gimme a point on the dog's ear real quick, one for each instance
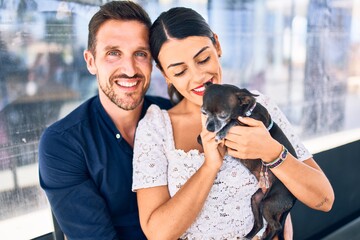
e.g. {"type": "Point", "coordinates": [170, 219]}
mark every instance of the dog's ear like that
{"type": "Point", "coordinates": [244, 90]}
{"type": "Point", "coordinates": [246, 100]}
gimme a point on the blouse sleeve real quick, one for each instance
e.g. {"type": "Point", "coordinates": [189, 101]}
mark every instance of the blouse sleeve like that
{"type": "Point", "coordinates": [279, 117]}
{"type": "Point", "coordinates": [149, 161]}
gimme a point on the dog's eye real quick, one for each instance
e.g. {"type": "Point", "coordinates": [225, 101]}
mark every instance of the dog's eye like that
{"type": "Point", "coordinates": [203, 111]}
{"type": "Point", "coordinates": [223, 115]}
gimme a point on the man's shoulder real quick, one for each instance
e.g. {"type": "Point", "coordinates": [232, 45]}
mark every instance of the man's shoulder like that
{"type": "Point", "coordinates": [162, 102]}
{"type": "Point", "coordinates": [79, 114]}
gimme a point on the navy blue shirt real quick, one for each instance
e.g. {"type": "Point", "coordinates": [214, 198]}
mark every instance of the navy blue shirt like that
{"type": "Point", "coordinates": [85, 168]}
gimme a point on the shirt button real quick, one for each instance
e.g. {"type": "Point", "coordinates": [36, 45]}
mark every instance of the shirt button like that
{"type": "Point", "coordinates": [118, 136]}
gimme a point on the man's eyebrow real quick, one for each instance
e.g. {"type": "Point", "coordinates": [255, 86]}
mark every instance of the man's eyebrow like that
{"type": "Point", "coordinates": [144, 48]}
{"type": "Point", "coordinates": [107, 48]}
{"type": "Point", "coordinates": [115, 47]}
{"type": "Point", "coordinates": [197, 54]}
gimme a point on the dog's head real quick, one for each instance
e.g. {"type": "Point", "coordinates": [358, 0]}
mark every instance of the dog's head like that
{"type": "Point", "coordinates": [223, 103]}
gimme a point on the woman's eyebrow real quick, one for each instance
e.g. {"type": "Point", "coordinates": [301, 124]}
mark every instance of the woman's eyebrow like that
{"type": "Point", "coordinates": [197, 54]}
{"type": "Point", "coordinates": [201, 50]}
{"type": "Point", "coordinates": [175, 64]}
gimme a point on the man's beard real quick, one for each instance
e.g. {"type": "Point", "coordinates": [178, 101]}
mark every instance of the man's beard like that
{"type": "Point", "coordinates": [127, 102]}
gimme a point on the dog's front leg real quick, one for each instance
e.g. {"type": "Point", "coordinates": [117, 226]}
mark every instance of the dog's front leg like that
{"type": "Point", "coordinates": [222, 133]}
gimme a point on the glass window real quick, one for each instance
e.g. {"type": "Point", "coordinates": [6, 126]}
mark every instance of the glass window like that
{"type": "Point", "coordinates": [305, 55]}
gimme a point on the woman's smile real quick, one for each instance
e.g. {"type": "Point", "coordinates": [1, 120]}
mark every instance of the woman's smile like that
{"type": "Point", "coordinates": [200, 89]}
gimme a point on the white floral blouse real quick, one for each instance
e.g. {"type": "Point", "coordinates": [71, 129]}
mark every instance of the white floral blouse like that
{"type": "Point", "coordinates": [227, 212]}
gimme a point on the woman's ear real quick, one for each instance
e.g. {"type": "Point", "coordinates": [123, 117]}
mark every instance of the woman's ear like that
{"type": "Point", "coordinates": [90, 62]}
{"type": "Point", "coordinates": [217, 45]}
{"type": "Point", "coordinates": [168, 82]}
{"type": "Point", "coordinates": [164, 75]}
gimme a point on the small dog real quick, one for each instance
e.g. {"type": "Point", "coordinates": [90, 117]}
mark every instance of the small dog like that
{"type": "Point", "coordinates": [223, 104]}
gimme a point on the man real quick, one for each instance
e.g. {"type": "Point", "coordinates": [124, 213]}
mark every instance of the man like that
{"type": "Point", "coordinates": [85, 159]}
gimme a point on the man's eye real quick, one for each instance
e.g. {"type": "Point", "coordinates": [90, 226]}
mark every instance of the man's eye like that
{"type": "Point", "coordinates": [113, 53]}
{"type": "Point", "coordinates": [141, 54]}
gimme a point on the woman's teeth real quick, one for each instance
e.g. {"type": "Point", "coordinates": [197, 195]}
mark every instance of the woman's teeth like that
{"type": "Point", "coordinates": [200, 89]}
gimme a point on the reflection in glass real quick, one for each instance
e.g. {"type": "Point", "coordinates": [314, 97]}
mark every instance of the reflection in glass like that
{"type": "Point", "coordinates": [303, 54]}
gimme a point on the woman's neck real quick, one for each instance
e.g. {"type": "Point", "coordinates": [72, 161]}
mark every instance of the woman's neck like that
{"type": "Point", "coordinates": [186, 123]}
{"type": "Point", "coordinates": [185, 107]}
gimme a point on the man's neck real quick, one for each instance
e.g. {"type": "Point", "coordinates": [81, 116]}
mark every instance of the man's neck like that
{"type": "Point", "coordinates": [125, 120]}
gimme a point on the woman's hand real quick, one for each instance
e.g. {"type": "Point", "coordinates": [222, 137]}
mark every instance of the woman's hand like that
{"type": "Point", "coordinates": [304, 179]}
{"type": "Point", "coordinates": [252, 141]}
{"type": "Point", "coordinates": [214, 150]}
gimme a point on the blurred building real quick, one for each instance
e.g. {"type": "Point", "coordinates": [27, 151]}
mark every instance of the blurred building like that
{"type": "Point", "coordinates": [305, 55]}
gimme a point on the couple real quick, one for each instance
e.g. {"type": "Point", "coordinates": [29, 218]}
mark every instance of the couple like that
{"type": "Point", "coordinates": [183, 190]}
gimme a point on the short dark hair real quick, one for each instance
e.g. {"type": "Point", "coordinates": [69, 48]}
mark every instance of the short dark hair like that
{"type": "Point", "coordinates": [179, 23]}
{"type": "Point", "coordinates": [115, 10]}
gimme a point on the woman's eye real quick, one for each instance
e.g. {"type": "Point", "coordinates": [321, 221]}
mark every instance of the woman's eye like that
{"type": "Point", "coordinates": [205, 60]}
{"type": "Point", "coordinates": [180, 73]}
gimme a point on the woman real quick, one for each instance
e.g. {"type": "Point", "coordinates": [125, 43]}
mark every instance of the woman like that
{"type": "Point", "coordinates": [191, 192]}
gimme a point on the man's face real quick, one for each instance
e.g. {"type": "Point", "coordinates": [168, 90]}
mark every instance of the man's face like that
{"type": "Point", "coordinates": [122, 63]}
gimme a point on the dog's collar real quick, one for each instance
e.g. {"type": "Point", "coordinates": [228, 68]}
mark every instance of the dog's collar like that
{"type": "Point", "coordinates": [249, 112]}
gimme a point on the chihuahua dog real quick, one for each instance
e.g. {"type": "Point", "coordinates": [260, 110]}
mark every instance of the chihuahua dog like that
{"type": "Point", "coordinates": [223, 104]}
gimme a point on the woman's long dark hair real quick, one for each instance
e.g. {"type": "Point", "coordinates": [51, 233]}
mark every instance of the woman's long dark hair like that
{"type": "Point", "coordinates": [179, 23]}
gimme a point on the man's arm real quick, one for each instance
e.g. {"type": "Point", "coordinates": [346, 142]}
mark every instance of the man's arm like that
{"type": "Point", "coordinates": [75, 201]}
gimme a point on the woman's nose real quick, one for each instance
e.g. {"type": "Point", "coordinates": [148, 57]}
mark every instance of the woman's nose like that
{"type": "Point", "coordinates": [198, 75]}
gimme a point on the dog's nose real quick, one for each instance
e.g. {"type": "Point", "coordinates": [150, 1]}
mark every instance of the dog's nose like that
{"type": "Point", "coordinates": [210, 127]}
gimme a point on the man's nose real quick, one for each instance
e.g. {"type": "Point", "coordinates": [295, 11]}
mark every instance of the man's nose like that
{"type": "Point", "coordinates": [128, 66]}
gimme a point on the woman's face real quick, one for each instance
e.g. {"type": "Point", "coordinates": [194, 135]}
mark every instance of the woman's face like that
{"type": "Point", "coordinates": [189, 63]}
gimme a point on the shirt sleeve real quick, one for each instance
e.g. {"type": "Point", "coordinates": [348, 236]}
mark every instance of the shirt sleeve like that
{"type": "Point", "coordinates": [150, 162]}
{"type": "Point", "coordinates": [279, 117]}
{"type": "Point", "coordinates": [75, 201]}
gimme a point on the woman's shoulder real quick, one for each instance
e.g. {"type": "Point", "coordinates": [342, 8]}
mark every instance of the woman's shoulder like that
{"type": "Point", "coordinates": [153, 111]}
{"type": "Point", "coordinates": [154, 116]}
{"type": "Point", "coordinates": [266, 101]}
{"type": "Point", "coordinates": [260, 97]}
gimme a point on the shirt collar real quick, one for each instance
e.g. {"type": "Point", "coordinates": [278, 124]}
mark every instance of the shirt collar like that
{"type": "Point", "coordinates": [100, 109]}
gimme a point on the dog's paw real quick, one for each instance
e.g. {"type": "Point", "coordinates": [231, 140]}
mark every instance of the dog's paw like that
{"type": "Point", "coordinates": [219, 140]}
{"type": "Point", "coordinates": [220, 136]}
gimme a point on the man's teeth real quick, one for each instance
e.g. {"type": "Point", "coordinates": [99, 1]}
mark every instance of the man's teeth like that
{"type": "Point", "coordinates": [127, 84]}
{"type": "Point", "coordinates": [200, 89]}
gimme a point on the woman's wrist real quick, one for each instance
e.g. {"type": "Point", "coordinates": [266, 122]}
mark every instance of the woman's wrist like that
{"type": "Point", "coordinates": [274, 154]}
{"type": "Point", "coordinates": [279, 160]}
{"type": "Point", "coordinates": [211, 167]}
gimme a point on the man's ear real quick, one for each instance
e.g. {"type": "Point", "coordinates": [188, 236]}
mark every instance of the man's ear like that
{"type": "Point", "coordinates": [90, 62]}
{"type": "Point", "coordinates": [217, 45]}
